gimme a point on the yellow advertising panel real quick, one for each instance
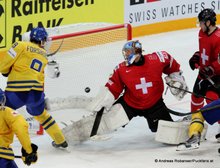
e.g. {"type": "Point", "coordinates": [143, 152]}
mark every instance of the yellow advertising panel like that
{"type": "Point", "coordinates": [2, 23]}
{"type": "Point", "coordinates": [22, 15]}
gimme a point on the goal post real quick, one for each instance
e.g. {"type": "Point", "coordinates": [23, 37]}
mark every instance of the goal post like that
{"type": "Point", "coordinates": [91, 37]}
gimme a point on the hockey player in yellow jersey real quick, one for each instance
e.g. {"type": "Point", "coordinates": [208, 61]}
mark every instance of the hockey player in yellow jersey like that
{"type": "Point", "coordinates": [24, 66]}
{"type": "Point", "coordinates": [11, 123]}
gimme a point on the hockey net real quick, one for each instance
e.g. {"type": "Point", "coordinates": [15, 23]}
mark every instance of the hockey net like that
{"type": "Point", "coordinates": [86, 58]}
{"type": "Point", "coordinates": [87, 55]}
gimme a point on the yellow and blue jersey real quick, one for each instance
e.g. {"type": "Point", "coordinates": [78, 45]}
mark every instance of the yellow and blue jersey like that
{"type": "Point", "coordinates": [12, 123]}
{"type": "Point", "coordinates": [24, 64]}
{"type": "Point", "coordinates": [213, 114]}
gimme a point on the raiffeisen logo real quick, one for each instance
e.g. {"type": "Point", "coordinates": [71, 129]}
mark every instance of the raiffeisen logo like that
{"type": "Point", "coordinates": [136, 2]}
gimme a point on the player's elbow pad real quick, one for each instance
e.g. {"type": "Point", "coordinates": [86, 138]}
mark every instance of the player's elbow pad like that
{"type": "Point", "coordinates": [53, 69]}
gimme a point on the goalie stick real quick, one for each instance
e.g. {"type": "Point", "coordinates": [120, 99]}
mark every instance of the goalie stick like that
{"type": "Point", "coordinates": [97, 122]}
{"type": "Point", "coordinates": [198, 95]}
{"type": "Point", "coordinates": [189, 113]}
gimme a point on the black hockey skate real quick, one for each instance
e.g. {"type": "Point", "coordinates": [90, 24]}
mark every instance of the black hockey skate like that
{"type": "Point", "coordinates": [192, 143]}
{"type": "Point", "coordinates": [62, 145]}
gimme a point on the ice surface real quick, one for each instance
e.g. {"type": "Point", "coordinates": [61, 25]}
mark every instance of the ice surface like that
{"type": "Point", "coordinates": [133, 146]}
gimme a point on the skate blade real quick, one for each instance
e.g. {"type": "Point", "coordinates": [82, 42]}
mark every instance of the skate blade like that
{"type": "Point", "coordinates": [183, 147]}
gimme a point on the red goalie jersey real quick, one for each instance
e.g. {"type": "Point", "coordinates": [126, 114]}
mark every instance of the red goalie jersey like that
{"type": "Point", "coordinates": [142, 84]}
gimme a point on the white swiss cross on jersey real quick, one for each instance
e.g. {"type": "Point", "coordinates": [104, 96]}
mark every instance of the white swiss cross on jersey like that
{"type": "Point", "coordinates": [204, 56]}
{"type": "Point", "coordinates": [143, 85]}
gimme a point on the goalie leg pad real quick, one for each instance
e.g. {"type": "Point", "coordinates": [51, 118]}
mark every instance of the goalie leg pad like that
{"type": "Point", "coordinates": [71, 102]}
{"type": "Point", "coordinates": [111, 120]}
{"type": "Point", "coordinates": [175, 132]}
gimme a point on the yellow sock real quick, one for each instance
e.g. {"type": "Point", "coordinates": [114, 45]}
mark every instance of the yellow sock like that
{"type": "Point", "coordinates": [197, 124]}
{"type": "Point", "coordinates": [51, 127]}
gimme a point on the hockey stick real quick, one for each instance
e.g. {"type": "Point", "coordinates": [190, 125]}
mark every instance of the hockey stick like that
{"type": "Point", "coordinates": [53, 53]}
{"type": "Point", "coordinates": [198, 95]}
{"type": "Point", "coordinates": [208, 78]}
{"type": "Point", "coordinates": [189, 113]}
{"type": "Point", "coordinates": [212, 82]}
{"type": "Point", "coordinates": [18, 157]}
{"type": "Point", "coordinates": [97, 122]}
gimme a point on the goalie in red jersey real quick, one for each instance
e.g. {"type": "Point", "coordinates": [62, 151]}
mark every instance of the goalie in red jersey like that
{"type": "Point", "coordinates": [139, 78]}
{"type": "Point", "coordinates": [134, 89]}
{"type": "Point", "coordinates": [207, 61]}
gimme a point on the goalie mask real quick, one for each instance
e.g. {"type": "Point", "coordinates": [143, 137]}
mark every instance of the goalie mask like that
{"type": "Point", "coordinates": [131, 51]}
{"type": "Point", "coordinates": [2, 98]}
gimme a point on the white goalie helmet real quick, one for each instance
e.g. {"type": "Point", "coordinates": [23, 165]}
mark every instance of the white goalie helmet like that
{"type": "Point", "coordinates": [131, 51]}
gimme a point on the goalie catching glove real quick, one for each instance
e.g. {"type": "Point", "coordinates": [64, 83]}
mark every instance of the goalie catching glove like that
{"type": "Point", "coordinates": [177, 84]}
{"type": "Point", "coordinates": [30, 158]}
{"type": "Point", "coordinates": [103, 99]}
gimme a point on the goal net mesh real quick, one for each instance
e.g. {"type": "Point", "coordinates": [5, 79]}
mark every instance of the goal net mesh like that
{"type": "Point", "coordinates": [86, 59]}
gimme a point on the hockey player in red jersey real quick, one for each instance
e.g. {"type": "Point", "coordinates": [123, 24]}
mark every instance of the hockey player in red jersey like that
{"type": "Point", "coordinates": [137, 84]}
{"type": "Point", "coordinates": [207, 61]}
